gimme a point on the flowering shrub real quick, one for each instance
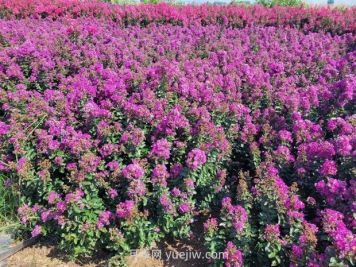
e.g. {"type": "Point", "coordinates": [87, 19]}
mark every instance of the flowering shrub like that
{"type": "Point", "coordinates": [309, 19]}
{"type": "Point", "coordinates": [119, 136]}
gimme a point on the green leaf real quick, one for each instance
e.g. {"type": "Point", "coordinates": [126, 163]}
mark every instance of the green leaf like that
{"type": "Point", "coordinates": [272, 255]}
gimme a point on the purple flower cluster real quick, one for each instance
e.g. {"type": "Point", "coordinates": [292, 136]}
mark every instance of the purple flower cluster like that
{"type": "Point", "coordinates": [52, 197]}
{"type": "Point", "coordinates": [36, 231]}
{"type": "Point", "coordinates": [112, 193]}
{"type": "Point", "coordinates": [125, 209]}
{"type": "Point", "coordinates": [161, 149]}
{"type": "Point", "coordinates": [184, 207]}
{"type": "Point", "coordinates": [237, 213]}
{"type": "Point", "coordinates": [329, 168]}
{"type": "Point", "coordinates": [4, 129]}
{"type": "Point", "coordinates": [133, 171]}
{"type": "Point", "coordinates": [272, 232]}
{"type": "Point", "coordinates": [104, 217]}
{"type": "Point", "coordinates": [334, 190]}
{"type": "Point", "coordinates": [211, 225]}
{"type": "Point", "coordinates": [232, 256]}
{"type": "Point", "coordinates": [344, 239]}
{"type": "Point", "coordinates": [160, 174]}
{"type": "Point", "coordinates": [166, 202]}
{"type": "Point", "coordinates": [136, 189]}
{"type": "Point", "coordinates": [196, 158]}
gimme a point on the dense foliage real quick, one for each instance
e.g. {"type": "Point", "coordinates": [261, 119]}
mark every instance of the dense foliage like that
{"type": "Point", "coordinates": [279, 2]}
{"type": "Point", "coordinates": [119, 136]}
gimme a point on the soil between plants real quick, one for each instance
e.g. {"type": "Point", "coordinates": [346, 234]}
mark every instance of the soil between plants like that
{"type": "Point", "coordinates": [45, 254]}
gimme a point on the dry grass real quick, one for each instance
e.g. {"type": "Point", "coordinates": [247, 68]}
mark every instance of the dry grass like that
{"type": "Point", "coordinates": [42, 256]}
{"type": "Point", "coordinates": [45, 254]}
{"type": "Point", "coordinates": [37, 256]}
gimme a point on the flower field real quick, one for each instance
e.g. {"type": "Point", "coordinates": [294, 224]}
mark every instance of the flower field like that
{"type": "Point", "coordinates": [120, 125]}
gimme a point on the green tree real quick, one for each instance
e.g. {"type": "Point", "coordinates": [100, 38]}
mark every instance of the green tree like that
{"type": "Point", "coordinates": [280, 2]}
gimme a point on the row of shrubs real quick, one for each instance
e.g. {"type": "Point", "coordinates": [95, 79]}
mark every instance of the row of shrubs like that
{"type": "Point", "coordinates": [238, 16]}
{"type": "Point", "coordinates": [116, 137]}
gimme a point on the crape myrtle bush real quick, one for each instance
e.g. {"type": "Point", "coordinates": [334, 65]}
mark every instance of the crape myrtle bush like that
{"type": "Point", "coordinates": [117, 137]}
{"type": "Point", "coordinates": [238, 16]}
